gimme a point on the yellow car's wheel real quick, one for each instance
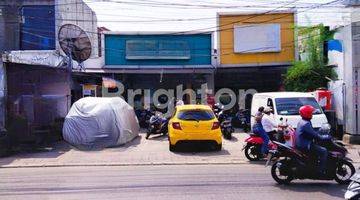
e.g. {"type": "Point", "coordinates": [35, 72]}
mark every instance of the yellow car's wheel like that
{"type": "Point", "coordinates": [218, 147]}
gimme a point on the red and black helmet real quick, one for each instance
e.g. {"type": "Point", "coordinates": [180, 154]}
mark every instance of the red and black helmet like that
{"type": "Point", "coordinates": [306, 111]}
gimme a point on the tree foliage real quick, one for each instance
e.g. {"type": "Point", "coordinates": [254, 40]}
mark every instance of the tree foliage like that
{"type": "Point", "coordinates": [312, 71]}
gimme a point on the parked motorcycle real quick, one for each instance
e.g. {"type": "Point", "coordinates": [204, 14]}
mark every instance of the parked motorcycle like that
{"type": "Point", "coordinates": [217, 109]}
{"type": "Point", "coordinates": [293, 164]}
{"type": "Point", "coordinates": [225, 125]}
{"type": "Point", "coordinates": [158, 124]}
{"type": "Point", "coordinates": [242, 120]}
{"type": "Point", "coordinates": [144, 117]}
{"type": "Point", "coordinates": [353, 190]}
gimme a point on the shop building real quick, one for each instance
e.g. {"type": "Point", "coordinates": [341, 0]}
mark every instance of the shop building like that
{"type": "Point", "coordinates": [254, 50]}
{"type": "Point", "coordinates": [158, 60]}
{"type": "Point", "coordinates": [37, 84]}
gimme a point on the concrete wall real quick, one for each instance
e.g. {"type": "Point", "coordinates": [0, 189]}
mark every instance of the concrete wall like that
{"type": "Point", "coordinates": [9, 25]}
{"type": "Point", "coordinates": [356, 71]}
{"type": "Point", "coordinates": [346, 89]}
{"type": "Point", "coordinates": [9, 40]}
{"type": "Point", "coordinates": [78, 13]}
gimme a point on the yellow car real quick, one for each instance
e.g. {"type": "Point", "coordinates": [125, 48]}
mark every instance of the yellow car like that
{"type": "Point", "coordinates": [194, 123]}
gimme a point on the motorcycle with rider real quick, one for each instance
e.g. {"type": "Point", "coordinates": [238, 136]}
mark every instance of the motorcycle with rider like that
{"type": "Point", "coordinates": [315, 155]}
{"type": "Point", "coordinates": [260, 141]}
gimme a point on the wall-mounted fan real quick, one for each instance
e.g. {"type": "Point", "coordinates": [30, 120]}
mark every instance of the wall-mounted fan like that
{"type": "Point", "coordinates": [75, 43]}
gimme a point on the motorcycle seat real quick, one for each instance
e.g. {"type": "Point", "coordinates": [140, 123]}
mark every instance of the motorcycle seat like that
{"type": "Point", "coordinates": [335, 154]}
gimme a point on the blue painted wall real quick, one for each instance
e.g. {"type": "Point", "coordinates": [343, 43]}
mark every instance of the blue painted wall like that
{"type": "Point", "coordinates": [199, 46]}
{"type": "Point", "coordinates": [38, 28]}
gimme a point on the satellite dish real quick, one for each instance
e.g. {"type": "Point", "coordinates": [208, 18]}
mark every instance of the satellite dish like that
{"type": "Point", "coordinates": [74, 42]}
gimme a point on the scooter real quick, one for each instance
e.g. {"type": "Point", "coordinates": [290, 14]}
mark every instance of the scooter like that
{"type": "Point", "coordinates": [253, 145]}
{"type": "Point", "coordinates": [225, 125]}
{"type": "Point", "coordinates": [144, 117]}
{"type": "Point", "coordinates": [217, 109]}
{"type": "Point", "coordinates": [157, 125]}
{"type": "Point", "coordinates": [293, 164]}
{"type": "Point", "coordinates": [242, 120]}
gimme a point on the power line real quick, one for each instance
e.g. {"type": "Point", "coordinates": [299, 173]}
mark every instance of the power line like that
{"type": "Point", "coordinates": [283, 45]}
{"type": "Point", "coordinates": [139, 21]}
{"type": "Point", "coordinates": [198, 19]}
{"type": "Point", "coordinates": [255, 15]}
{"type": "Point", "coordinates": [150, 3]}
{"type": "Point", "coordinates": [258, 14]}
{"type": "Point", "coordinates": [233, 22]}
{"type": "Point", "coordinates": [108, 14]}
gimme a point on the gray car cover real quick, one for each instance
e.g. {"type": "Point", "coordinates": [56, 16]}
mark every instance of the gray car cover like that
{"type": "Point", "coordinates": [95, 122]}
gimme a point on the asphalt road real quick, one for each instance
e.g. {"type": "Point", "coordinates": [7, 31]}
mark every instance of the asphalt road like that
{"type": "Point", "coordinates": [243, 181]}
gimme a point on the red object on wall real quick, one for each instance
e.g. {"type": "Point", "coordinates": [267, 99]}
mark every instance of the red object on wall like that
{"type": "Point", "coordinates": [323, 96]}
{"type": "Point", "coordinates": [210, 99]}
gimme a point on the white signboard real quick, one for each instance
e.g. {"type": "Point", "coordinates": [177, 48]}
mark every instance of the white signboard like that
{"type": "Point", "coordinates": [257, 38]}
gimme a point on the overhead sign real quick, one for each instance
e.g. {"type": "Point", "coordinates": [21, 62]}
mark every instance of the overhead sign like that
{"type": "Point", "coordinates": [257, 38]}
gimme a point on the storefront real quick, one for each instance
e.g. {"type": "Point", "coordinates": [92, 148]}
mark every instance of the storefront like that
{"type": "Point", "coordinates": [38, 99]}
{"type": "Point", "coordinates": [152, 61]}
{"type": "Point", "coordinates": [255, 50]}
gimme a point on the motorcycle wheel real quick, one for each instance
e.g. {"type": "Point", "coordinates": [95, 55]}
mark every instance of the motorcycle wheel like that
{"type": "Point", "coordinates": [232, 130]}
{"type": "Point", "coordinates": [251, 153]}
{"type": "Point", "coordinates": [227, 135]}
{"type": "Point", "coordinates": [275, 173]}
{"type": "Point", "coordinates": [246, 129]}
{"type": "Point", "coordinates": [344, 171]}
{"type": "Point", "coordinates": [147, 135]}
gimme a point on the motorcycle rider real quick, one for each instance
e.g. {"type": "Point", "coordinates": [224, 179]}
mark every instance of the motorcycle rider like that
{"type": "Point", "coordinates": [305, 136]}
{"type": "Point", "coordinates": [259, 130]}
{"type": "Point", "coordinates": [268, 122]}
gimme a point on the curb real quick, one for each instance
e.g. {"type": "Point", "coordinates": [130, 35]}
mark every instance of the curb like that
{"type": "Point", "coordinates": [136, 164]}
{"type": "Point", "coordinates": [124, 164]}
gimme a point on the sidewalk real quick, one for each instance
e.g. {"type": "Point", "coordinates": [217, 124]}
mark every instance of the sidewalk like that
{"type": "Point", "coordinates": [139, 152]}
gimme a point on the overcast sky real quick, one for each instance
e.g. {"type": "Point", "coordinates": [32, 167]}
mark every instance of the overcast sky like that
{"type": "Point", "coordinates": [165, 15]}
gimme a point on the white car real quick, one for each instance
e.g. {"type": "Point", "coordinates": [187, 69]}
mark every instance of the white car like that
{"type": "Point", "coordinates": [286, 105]}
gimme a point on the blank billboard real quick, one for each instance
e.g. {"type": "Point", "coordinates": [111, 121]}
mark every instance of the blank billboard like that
{"type": "Point", "coordinates": [257, 38]}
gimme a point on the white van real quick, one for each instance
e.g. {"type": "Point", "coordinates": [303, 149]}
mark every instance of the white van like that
{"type": "Point", "coordinates": [286, 105]}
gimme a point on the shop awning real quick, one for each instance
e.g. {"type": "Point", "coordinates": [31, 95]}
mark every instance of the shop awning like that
{"type": "Point", "coordinates": [50, 58]}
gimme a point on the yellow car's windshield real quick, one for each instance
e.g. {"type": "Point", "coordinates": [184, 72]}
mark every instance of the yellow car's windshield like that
{"type": "Point", "coordinates": [195, 115]}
